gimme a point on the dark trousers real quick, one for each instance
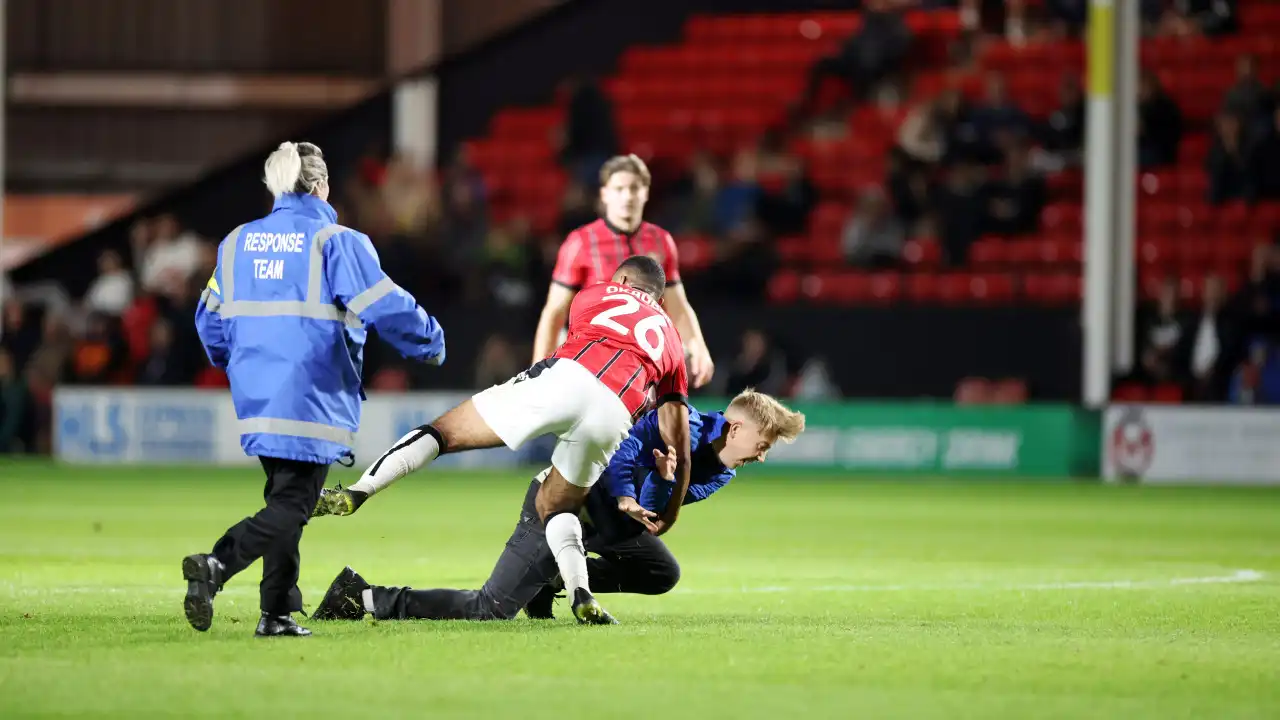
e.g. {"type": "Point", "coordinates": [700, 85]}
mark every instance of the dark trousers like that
{"type": "Point", "coordinates": [274, 533]}
{"type": "Point", "coordinates": [630, 561]}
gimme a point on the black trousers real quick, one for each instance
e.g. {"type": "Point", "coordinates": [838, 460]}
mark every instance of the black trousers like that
{"type": "Point", "coordinates": [273, 534]}
{"type": "Point", "coordinates": [630, 561]}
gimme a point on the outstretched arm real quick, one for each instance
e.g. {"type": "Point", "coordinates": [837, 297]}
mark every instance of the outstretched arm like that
{"type": "Point", "coordinates": [359, 283]}
{"type": "Point", "coordinates": [673, 423]}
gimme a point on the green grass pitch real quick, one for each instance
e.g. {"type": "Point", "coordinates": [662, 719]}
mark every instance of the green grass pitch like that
{"type": "Point", "coordinates": [812, 597]}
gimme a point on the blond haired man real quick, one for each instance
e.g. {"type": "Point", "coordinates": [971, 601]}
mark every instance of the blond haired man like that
{"type": "Point", "coordinates": [634, 488]}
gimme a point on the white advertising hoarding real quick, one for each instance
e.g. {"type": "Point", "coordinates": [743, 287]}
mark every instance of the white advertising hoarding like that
{"type": "Point", "coordinates": [184, 426]}
{"type": "Point", "coordinates": [1157, 444]}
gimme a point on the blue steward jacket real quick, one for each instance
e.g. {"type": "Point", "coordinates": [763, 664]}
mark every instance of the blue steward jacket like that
{"type": "Point", "coordinates": [632, 471]}
{"type": "Point", "coordinates": [287, 313]}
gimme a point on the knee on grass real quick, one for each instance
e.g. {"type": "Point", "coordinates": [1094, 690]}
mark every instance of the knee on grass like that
{"type": "Point", "coordinates": [664, 578]}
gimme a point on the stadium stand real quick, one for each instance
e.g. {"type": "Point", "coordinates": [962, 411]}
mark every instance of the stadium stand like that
{"type": "Point", "coordinates": [730, 80]}
{"type": "Point", "coordinates": [951, 181]}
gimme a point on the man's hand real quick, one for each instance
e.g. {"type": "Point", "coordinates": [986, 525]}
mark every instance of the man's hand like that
{"type": "Point", "coordinates": [701, 367]}
{"type": "Point", "coordinates": [665, 463]}
{"type": "Point", "coordinates": [629, 506]}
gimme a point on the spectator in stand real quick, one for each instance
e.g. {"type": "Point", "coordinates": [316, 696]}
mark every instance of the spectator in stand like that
{"type": "Point", "coordinates": [1014, 201]}
{"type": "Point", "coordinates": [161, 367]}
{"type": "Point", "coordinates": [745, 261]}
{"type": "Point", "coordinates": [1185, 18]}
{"type": "Point", "coordinates": [785, 211]}
{"type": "Point", "coordinates": [1246, 97]}
{"type": "Point", "coordinates": [411, 198]}
{"type": "Point", "coordinates": [1063, 132]}
{"type": "Point", "coordinates": [814, 384]}
{"type": "Point", "coordinates": [590, 133]}
{"type": "Point", "coordinates": [999, 122]}
{"type": "Point", "coordinates": [54, 350]}
{"type": "Point", "coordinates": [959, 211]}
{"type": "Point", "coordinates": [908, 190]}
{"type": "Point", "coordinates": [19, 336]}
{"type": "Point", "coordinates": [759, 365]}
{"type": "Point", "coordinates": [922, 136]}
{"type": "Point", "coordinates": [170, 257]}
{"type": "Point", "coordinates": [497, 363]}
{"type": "Point", "coordinates": [508, 267]}
{"type": "Point", "coordinates": [576, 208]}
{"type": "Point", "coordinates": [872, 236]}
{"type": "Point", "coordinates": [1257, 381]}
{"type": "Point", "coordinates": [873, 54]}
{"type": "Point", "coordinates": [1068, 17]}
{"type": "Point", "coordinates": [692, 209]}
{"type": "Point", "coordinates": [1265, 160]}
{"type": "Point", "coordinates": [463, 171]}
{"type": "Point", "coordinates": [1228, 164]}
{"type": "Point", "coordinates": [463, 228]}
{"type": "Point", "coordinates": [16, 428]}
{"type": "Point", "coordinates": [112, 291]}
{"type": "Point", "coordinates": [1162, 333]}
{"type": "Point", "coordinates": [1007, 18]}
{"type": "Point", "coordinates": [736, 200]}
{"type": "Point", "coordinates": [1209, 339]}
{"type": "Point", "coordinates": [99, 357]}
{"type": "Point", "coordinates": [1159, 124]}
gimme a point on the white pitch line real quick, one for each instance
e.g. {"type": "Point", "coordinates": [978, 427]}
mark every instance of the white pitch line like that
{"type": "Point", "coordinates": [1238, 576]}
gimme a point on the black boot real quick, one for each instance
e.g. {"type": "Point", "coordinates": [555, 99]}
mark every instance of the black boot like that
{"type": "Point", "coordinates": [279, 626]}
{"type": "Point", "coordinates": [542, 606]}
{"type": "Point", "coordinates": [587, 610]}
{"type": "Point", "coordinates": [344, 600]}
{"type": "Point", "coordinates": [203, 574]}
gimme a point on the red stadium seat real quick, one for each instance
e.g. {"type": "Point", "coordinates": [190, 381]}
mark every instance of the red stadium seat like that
{"type": "Point", "coordinates": [924, 252]}
{"type": "Point", "coordinates": [989, 251]}
{"type": "Point", "coordinates": [784, 287]}
{"type": "Point", "coordinates": [1167, 394]}
{"type": "Point", "coordinates": [1130, 393]}
{"type": "Point", "coordinates": [994, 288]}
{"type": "Point", "coordinates": [886, 287]}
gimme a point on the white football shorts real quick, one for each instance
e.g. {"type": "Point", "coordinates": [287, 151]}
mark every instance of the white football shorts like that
{"type": "Point", "coordinates": [562, 399]}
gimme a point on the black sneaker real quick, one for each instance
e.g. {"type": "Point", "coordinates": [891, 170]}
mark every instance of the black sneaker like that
{"type": "Point", "coordinates": [542, 606]}
{"type": "Point", "coordinates": [343, 600]}
{"type": "Point", "coordinates": [587, 611]}
{"type": "Point", "coordinates": [279, 626]}
{"type": "Point", "coordinates": [203, 574]}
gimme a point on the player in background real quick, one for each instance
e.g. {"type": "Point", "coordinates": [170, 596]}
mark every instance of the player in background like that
{"type": "Point", "coordinates": [590, 253]}
{"type": "Point", "coordinates": [636, 486]}
{"type": "Point", "coordinates": [621, 358]}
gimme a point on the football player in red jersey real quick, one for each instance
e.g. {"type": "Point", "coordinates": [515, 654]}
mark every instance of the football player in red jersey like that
{"type": "Point", "coordinates": [589, 254]}
{"type": "Point", "coordinates": [622, 357]}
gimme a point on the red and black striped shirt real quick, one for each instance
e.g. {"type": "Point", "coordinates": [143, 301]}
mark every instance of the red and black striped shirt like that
{"type": "Point", "coordinates": [591, 253]}
{"type": "Point", "coordinates": [625, 339]}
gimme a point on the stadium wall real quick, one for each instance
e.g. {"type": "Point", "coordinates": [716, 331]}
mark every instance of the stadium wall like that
{"type": "Point", "coordinates": [110, 426]}
{"type": "Point", "coordinates": [1190, 445]}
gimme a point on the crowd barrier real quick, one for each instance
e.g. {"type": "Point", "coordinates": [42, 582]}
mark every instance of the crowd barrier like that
{"type": "Point", "coordinates": [139, 426]}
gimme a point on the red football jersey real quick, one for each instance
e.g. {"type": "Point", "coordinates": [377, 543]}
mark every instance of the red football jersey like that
{"type": "Point", "coordinates": [590, 254]}
{"type": "Point", "coordinates": [622, 335]}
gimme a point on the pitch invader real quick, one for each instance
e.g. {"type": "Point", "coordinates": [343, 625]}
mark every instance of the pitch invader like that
{"type": "Point", "coordinates": [590, 253]}
{"type": "Point", "coordinates": [622, 358]}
